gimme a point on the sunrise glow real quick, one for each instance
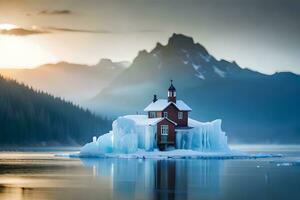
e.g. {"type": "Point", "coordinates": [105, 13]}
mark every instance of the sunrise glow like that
{"type": "Point", "coordinates": [22, 52]}
{"type": "Point", "coordinates": [7, 26]}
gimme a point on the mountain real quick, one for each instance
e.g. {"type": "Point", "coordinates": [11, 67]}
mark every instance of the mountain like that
{"type": "Point", "coordinates": [255, 107]}
{"type": "Point", "coordinates": [70, 81]}
{"type": "Point", "coordinates": [30, 118]}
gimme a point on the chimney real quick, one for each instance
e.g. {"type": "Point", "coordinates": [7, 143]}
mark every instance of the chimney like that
{"type": "Point", "coordinates": [154, 98]}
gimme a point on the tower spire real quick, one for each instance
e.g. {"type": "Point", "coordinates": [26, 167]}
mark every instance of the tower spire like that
{"type": "Point", "coordinates": [172, 93]}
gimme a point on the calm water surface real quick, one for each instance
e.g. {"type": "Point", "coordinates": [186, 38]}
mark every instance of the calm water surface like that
{"type": "Point", "coordinates": [41, 175]}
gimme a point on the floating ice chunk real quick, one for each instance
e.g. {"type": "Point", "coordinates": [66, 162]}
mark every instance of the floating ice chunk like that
{"type": "Point", "coordinates": [104, 144]}
{"type": "Point", "coordinates": [287, 163]}
{"type": "Point", "coordinates": [283, 164]}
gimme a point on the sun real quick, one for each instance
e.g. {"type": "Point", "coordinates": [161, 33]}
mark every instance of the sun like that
{"type": "Point", "coordinates": [8, 26]}
{"type": "Point", "coordinates": [19, 52]}
{"type": "Point", "coordinates": [22, 52]}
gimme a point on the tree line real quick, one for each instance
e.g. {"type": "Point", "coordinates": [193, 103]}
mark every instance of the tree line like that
{"type": "Point", "coordinates": [30, 117]}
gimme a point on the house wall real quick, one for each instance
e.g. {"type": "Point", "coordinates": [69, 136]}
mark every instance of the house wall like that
{"type": "Point", "coordinates": [184, 121]}
{"type": "Point", "coordinates": [173, 115]}
{"type": "Point", "coordinates": [171, 135]}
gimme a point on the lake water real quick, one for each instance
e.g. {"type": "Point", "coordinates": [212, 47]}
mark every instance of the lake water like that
{"type": "Point", "coordinates": [41, 175]}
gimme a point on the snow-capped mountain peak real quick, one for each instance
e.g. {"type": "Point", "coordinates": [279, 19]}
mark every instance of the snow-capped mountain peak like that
{"type": "Point", "coordinates": [182, 53]}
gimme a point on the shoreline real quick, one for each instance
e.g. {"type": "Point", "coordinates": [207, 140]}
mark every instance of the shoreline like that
{"type": "Point", "coordinates": [176, 154]}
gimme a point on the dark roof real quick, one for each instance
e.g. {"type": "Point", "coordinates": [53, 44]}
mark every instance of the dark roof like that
{"type": "Point", "coordinates": [172, 88]}
{"type": "Point", "coordinates": [161, 104]}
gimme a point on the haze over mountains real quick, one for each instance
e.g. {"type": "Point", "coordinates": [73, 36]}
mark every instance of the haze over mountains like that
{"type": "Point", "coordinates": [254, 107]}
{"type": "Point", "coordinates": [68, 80]}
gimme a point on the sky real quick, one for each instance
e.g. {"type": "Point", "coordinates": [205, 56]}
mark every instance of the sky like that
{"type": "Point", "coordinates": [262, 35]}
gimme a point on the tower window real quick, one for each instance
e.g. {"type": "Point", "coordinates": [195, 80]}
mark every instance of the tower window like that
{"type": "Point", "coordinates": [180, 115]}
{"type": "Point", "coordinates": [171, 94]}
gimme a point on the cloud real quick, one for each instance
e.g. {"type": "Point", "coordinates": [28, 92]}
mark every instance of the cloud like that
{"type": "Point", "coordinates": [22, 32]}
{"type": "Point", "coordinates": [102, 31]}
{"type": "Point", "coordinates": [55, 12]}
{"type": "Point", "coordinates": [78, 30]}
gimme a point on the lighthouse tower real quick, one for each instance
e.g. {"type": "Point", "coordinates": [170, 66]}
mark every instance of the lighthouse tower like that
{"type": "Point", "coordinates": [172, 93]}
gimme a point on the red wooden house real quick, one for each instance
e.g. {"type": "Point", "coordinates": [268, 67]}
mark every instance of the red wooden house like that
{"type": "Point", "coordinates": [174, 117]}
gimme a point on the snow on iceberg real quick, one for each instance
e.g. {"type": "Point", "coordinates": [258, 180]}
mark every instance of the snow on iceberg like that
{"type": "Point", "coordinates": [133, 133]}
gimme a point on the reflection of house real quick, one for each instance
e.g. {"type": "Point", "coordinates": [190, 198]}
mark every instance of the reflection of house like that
{"type": "Point", "coordinates": [173, 114]}
{"type": "Point", "coordinates": [160, 179]}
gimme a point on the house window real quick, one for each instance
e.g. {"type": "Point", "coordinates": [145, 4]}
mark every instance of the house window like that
{"type": "Point", "coordinates": [165, 114]}
{"type": "Point", "coordinates": [152, 114]}
{"type": "Point", "coordinates": [180, 115]}
{"type": "Point", "coordinates": [164, 129]}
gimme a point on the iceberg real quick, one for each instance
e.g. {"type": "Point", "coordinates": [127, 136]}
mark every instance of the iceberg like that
{"type": "Point", "coordinates": [131, 134]}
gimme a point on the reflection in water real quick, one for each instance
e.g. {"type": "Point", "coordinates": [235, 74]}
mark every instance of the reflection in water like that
{"type": "Point", "coordinates": [41, 175]}
{"type": "Point", "coordinates": [159, 179]}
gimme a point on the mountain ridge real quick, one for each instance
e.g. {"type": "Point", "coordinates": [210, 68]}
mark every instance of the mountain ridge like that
{"type": "Point", "coordinates": [66, 79]}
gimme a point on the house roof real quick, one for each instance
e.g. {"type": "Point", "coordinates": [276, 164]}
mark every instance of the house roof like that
{"type": "Point", "coordinates": [169, 121]}
{"type": "Point", "coordinates": [144, 120]}
{"type": "Point", "coordinates": [161, 104]}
